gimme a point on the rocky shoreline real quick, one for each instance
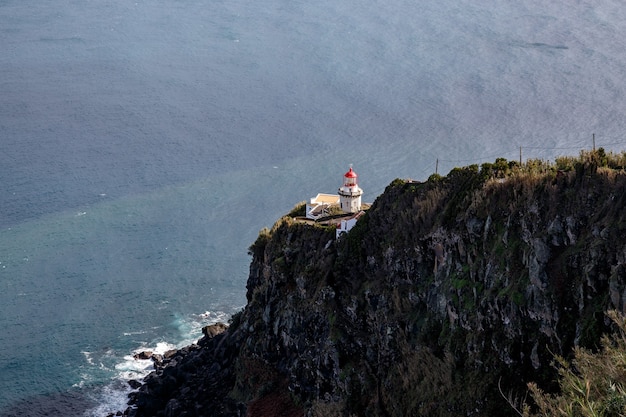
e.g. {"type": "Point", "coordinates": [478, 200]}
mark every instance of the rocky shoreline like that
{"type": "Point", "coordinates": [206, 363]}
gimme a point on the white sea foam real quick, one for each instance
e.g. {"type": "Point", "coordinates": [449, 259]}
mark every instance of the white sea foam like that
{"type": "Point", "coordinates": [134, 333]}
{"type": "Point", "coordinates": [88, 357]}
{"type": "Point", "coordinates": [113, 397]}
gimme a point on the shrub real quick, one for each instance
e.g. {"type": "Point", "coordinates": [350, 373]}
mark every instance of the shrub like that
{"type": "Point", "coordinates": [257, 248]}
{"type": "Point", "coordinates": [592, 385]}
{"type": "Point", "coordinates": [299, 210]}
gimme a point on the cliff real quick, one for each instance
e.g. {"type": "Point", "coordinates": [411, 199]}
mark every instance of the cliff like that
{"type": "Point", "coordinates": [444, 291]}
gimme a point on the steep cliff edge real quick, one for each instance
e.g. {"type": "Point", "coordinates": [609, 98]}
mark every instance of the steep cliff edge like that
{"type": "Point", "coordinates": [442, 291]}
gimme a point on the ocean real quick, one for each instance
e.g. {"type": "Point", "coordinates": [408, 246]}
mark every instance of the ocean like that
{"type": "Point", "coordinates": [143, 145]}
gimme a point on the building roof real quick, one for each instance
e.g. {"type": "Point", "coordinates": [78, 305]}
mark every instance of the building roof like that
{"type": "Point", "coordinates": [325, 199]}
{"type": "Point", "coordinates": [350, 174]}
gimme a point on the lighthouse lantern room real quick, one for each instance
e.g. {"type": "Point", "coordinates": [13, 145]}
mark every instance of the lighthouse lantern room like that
{"type": "Point", "coordinates": [350, 193]}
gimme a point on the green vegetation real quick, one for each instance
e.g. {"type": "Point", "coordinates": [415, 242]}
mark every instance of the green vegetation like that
{"type": "Point", "coordinates": [257, 248]}
{"type": "Point", "coordinates": [299, 210]}
{"type": "Point", "coordinates": [586, 162]}
{"type": "Point", "coordinates": [599, 158]}
{"type": "Point", "coordinates": [592, 384]}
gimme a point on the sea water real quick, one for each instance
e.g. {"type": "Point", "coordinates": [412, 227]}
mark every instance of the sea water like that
{"type": "Point", "coordinates": [143, 144]}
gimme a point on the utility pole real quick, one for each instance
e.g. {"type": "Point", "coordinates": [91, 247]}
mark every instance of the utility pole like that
{"type": "Point", "coordinates": [520, 156]}
{"type": "Point", "coordinates": [437, 166]}
{"type": "Point", "coordinates": [593, 136]}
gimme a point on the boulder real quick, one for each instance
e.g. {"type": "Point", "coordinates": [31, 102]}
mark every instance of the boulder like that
{"type": "Point", "coordinates": [146, 354]}
{"type": "Point", "coordinates": [134, 384]}
{"type": "Point", "coordinates": [214, 329]}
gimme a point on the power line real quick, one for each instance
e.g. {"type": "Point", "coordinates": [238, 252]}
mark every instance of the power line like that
{"type": "Point", "coordinates": [499, 155]}
{"type": "Point", "coordinates": [517, 153]}
{"type": "Point", "coordinates": [544, 148]}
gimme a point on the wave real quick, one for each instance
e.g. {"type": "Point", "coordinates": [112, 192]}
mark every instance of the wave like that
{"type": "Point", "coordinates": [112, 396]}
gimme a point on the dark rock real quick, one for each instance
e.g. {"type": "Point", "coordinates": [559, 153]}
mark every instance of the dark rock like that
{"type": "Point", "coordinates": [170, 354]}
{"type": "Point", "coordinates": [146, 354]}
{"type": "Point", "coordinates": [173, 408]}
{"type": "Point", "coordinates": [157, 359]}
{"type": "Point", "coordinates": [214, 329]}
{"type": "Point", "coordinates": [134, 384]}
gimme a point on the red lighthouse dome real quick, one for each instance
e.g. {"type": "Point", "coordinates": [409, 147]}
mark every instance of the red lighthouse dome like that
{"type": "Point", "coordinates": [350, 178]}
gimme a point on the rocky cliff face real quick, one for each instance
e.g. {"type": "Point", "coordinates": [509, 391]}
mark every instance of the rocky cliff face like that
{"type": "Point", "coordinates": [442, 292]}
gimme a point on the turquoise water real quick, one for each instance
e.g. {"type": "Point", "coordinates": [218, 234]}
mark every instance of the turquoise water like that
{"type": "Point", "coordinates": [143, 145]}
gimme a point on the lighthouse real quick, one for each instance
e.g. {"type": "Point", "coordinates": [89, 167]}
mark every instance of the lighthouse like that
{"type": "Point", "coordinates": [350, 193]}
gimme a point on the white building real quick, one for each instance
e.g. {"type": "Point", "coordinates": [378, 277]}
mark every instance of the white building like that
{"type": "Point", "coordinates": [319, 205]}
{"type": "Point", "coordinates": [350, 193]}
{"type": "Point", "coordinates": [348, 223]}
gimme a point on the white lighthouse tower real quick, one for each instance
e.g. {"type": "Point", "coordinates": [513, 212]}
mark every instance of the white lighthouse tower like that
{"type": "Point", "coordinates": [350, 193]}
